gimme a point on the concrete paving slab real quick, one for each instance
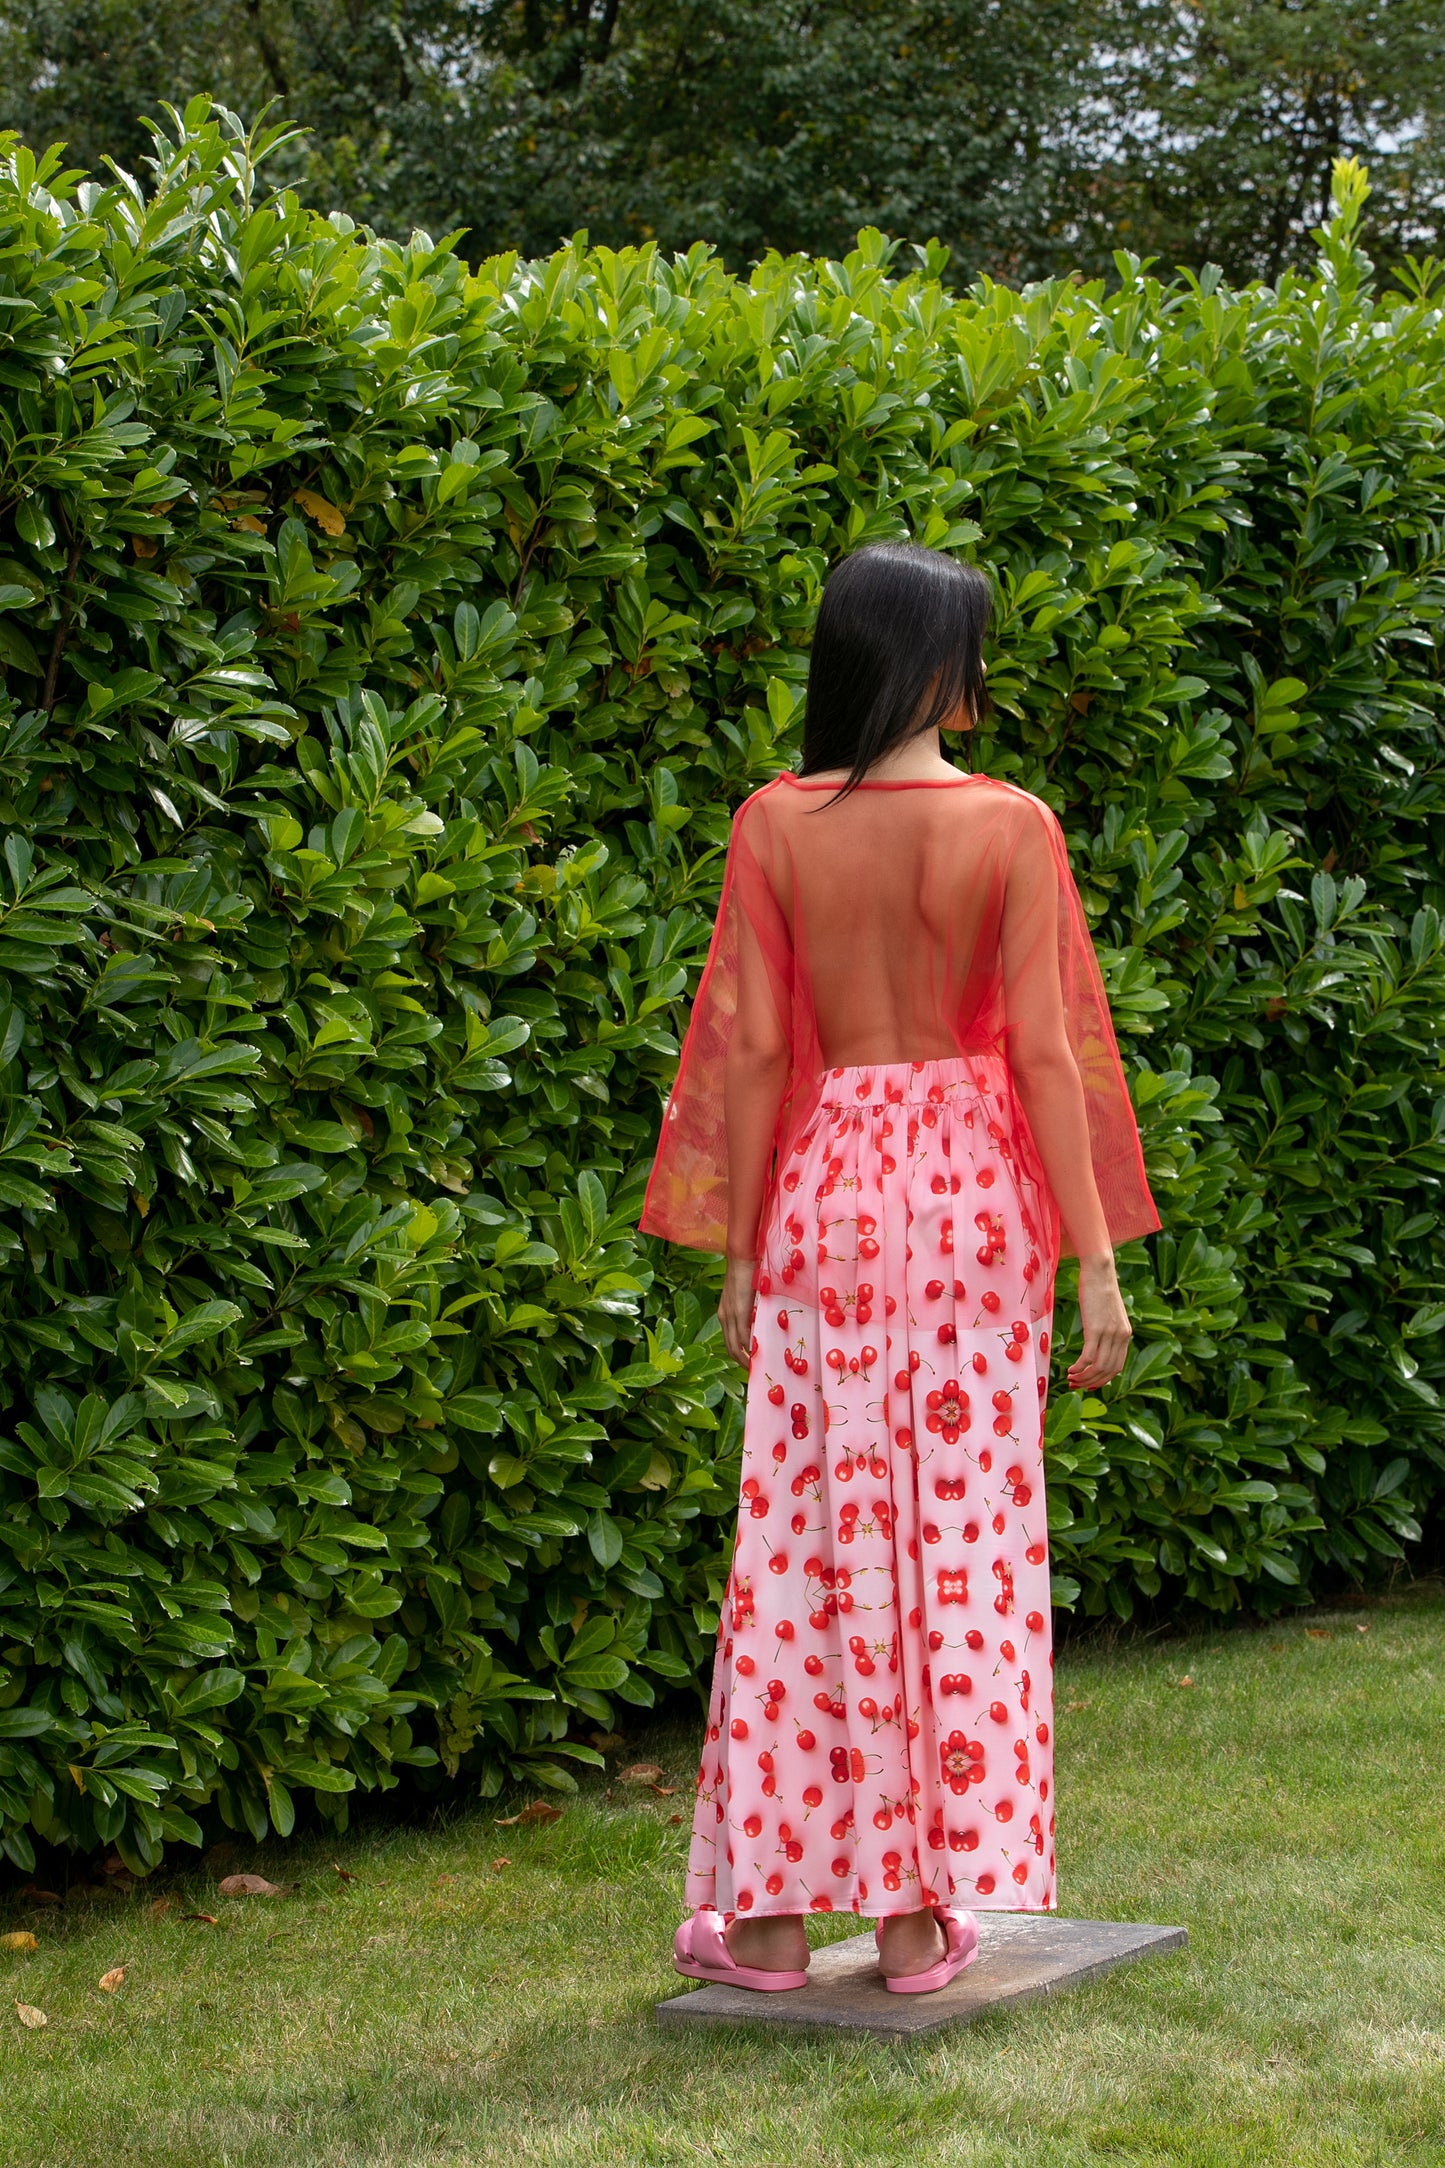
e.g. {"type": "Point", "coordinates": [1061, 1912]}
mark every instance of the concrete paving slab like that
{"type": "Point", "coordinates": [1021, 1955]}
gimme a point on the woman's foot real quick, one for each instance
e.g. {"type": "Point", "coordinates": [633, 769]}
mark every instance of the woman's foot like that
{"type": "Point", "coordinates": [772, 1945]}
{"type": "Point", "coordinates": [908, 1943]}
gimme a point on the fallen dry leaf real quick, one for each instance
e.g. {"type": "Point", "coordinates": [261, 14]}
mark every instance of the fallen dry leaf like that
{"type": "Point", "coordinates": [641, 1772]}
{"type": "Point", "coordinates": [1276, 1644]}
{"type": "Point", "coordinates": [207, 1919]}
{"type": "Point", "coordinates": [34, 1896]}
{"type": "Point", "coordinates": [110, 1981]}
{"type": "Point", "coordinates": [674, 1817]}
{"type": "Point", "coordinates": [606, 1742]}
{"type": "Point", "coordinates": [499, 1864]}
{"type": "Point", "coordinates": [30, 2017]}
{"type": "Point", "coordinates": [540, 1810]}
{"type": "Point", "coordinates": [1362, 1626]}
{"type": "Point", "coordinates": [1076, 1704]}
{"type": "Point", "coordinates": [664, 1791]}
{"type": "Point", "coordinates": [344, 1872]}
{"type": "Point", "coordinates": [1320, 1633]}
{"type": "Point", "coordinates": [446, 1878]}
{"type": "Point", "coordinates": [161, 1906]}
{"type": "Point", "coordinates": [252, 1885]}
{"type": "Point", "coordinates": [326, 516]}
{"type": "Point", "coordinates": [1185, 1681]}
{"type": "Point", "coordinates": [20, 1940]}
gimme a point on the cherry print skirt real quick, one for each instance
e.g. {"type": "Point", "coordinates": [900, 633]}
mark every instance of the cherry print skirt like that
{"type": "Point", "coordinates": [880, 1730]}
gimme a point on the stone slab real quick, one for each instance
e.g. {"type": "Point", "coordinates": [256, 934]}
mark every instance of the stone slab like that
{"type": "Point", "coordinates": [1021, 1955]}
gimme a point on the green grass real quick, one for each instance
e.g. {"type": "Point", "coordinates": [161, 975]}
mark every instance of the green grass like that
{"type": "Point", "coordinates": [441, 2008]}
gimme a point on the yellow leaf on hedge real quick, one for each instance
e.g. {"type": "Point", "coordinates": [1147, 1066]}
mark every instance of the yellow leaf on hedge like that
{"type": "Point", "coordinates": [326, 516]}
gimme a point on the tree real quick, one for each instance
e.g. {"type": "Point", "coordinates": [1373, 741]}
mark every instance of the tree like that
{"type": "Point", "coordinates": [1232, 112]}
{"type": "Point", "coordinates": [1031, 138]}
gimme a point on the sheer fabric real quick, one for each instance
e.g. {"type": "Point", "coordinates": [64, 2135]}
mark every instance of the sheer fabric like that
{"type": "Point", "coordinates": [908, 922]}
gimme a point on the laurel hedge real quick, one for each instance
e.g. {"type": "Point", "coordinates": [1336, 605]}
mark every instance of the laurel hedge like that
{"type": "Point", "coordinates": [384, 649]}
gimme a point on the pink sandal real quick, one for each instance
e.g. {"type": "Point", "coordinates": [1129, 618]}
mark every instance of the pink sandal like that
{"type": "Point", "coordinates": [700, 1950]}
{"type": "Point", "coordinates": [960, 1930]}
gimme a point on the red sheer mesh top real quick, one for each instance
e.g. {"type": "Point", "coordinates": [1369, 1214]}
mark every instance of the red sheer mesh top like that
{"type": "Point", "coordinates": [910, 920]}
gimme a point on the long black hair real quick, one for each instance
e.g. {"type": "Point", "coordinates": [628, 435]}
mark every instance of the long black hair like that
{"type": "Point", "coordinates": [897, 649]}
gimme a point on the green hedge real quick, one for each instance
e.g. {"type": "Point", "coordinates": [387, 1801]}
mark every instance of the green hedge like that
{"type": "Point", "coordinates": [384, 650]}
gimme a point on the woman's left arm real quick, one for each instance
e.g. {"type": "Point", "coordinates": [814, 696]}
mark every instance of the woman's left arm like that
{"type": "Point", "coordinates": [754, 1081]}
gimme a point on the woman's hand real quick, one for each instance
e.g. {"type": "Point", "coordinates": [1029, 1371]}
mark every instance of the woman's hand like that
{"type": "Point", "coordinates": [735, 1309]}
{"type": "Point", "coordinates": [1107, 1331]}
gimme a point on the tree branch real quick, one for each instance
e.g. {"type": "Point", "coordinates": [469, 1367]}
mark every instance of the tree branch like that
{"type": "Point", "coordinates": [267, 49]}
{"type": "Point", "coordinates": [67, 614]}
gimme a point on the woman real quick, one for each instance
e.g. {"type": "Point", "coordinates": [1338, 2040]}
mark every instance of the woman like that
{"type": "Point", "coordinates": [899, 1102]}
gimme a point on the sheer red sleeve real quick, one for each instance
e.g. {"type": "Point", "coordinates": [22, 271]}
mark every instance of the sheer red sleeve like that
{"type": "Point", "coordinates": [1061, 1046]}
{"type": "Point", "coordinates": [748, 970]}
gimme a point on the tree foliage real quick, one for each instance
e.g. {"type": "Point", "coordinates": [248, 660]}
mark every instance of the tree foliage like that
{"type": "Point", "coordinates": [384, 648]}
{"type": "Point", "coordinates": [1031, 140]}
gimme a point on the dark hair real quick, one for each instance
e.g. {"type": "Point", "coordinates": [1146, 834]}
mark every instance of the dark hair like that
{"type": "Point", "coordinates": [897, 649]}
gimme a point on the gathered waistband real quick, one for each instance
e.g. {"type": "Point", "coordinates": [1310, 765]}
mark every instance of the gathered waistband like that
{"type": "Point", "coordinates": [899, 1083]}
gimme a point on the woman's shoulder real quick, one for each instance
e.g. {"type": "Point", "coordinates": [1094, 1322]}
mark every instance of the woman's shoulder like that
{"type": "Point", "coordinates": [1024, 808]}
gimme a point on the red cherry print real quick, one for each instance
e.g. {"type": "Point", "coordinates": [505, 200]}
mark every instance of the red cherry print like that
{"type": "Point", "coordinates": [980, 1363]}
{"type": "Point", "coordinates": [800, 1524]}
{"type": "Point", "coordinates": [985, 1461]}
{"type": "Point", "coordinates": [1006, 1651]}
{"type": "Point", "coordinates": [935, 1639]}
{"type": "Point", "coordinates": [776, 1395]}
{"type": "Point", "coordinates": [745, 1900]}
{"type": "Point", "coordinates": [780, 1451]}
{"type": "Point", "coordinates": [973, 1639]}
{"type": "Point", "coordinates": [751, 1487]}
{"type": "Point", "coordinates": [970, 1532]}
{"type": "Point", "coordinates": [778, 1563]}
{"type": "Point", "coordinates": [745, 1667]}
{"type": "Point", "coordinates": [813, 1665]}
{"type": "Point", "coordinates": [753, 1826]}
{"type": "Point", "coordinates": [1014, 1352]}
{"type": "Point", "coordinates": [1043, 1343]}
{"type": "Point", "coordinates": [1020, 1330]}
{"type": "Point", "coordinates": [807, 1740]}
{"type": "Point", "coordinates": [933, 1290]}
{"type": "Point", "coordinates": [989, 1300]}
{"type": "Point", "coordinates": [1036, 1554]}
{"type": "Point", "coordinates": [985, 1178]}
{"type": "Point", "coordinates": [1002, 1401]}
{"type": "Point", "coordinates": [738, 1727]}
{"type": "Point", "coordinates": [868, 1356]}
{"type": "Point", "coordinates": [785, 1629]}
{"type": "Point", "coordinates": [774, 1885]}
{"type": "Point", "coordinates": [760, 1508]}
{"type": "Point", "coordinates": [984, 1885]}
{"type": "Point", "coordinates": [931, 1534]}
{"type": "Point", "coordinates": [1035, 1622]}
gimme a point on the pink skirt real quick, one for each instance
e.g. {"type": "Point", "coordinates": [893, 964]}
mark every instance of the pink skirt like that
{"type": "Point", "coordinates": [880, 1731]}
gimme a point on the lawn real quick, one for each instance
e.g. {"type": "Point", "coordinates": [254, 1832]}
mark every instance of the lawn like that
{"type": "Point", "coordinates": [480, 1994]}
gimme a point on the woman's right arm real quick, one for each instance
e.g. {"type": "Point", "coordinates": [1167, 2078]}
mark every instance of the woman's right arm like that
{"type": "Point", "coordinates": [1051, 1092]}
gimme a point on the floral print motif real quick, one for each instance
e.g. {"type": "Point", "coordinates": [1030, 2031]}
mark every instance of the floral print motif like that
{"type": "Point", "coordinates": [880, 1728]}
